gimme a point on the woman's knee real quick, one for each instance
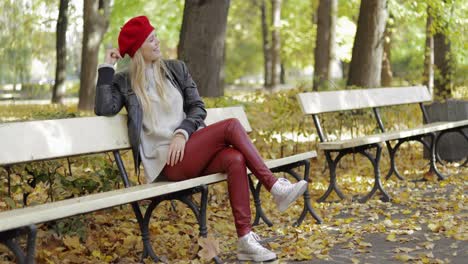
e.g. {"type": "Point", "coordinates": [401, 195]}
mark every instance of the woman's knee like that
{"type": "Point", "coordinates": [233, 157]}
{"type": "Point", "coordinates": [234, 127]}
{"type": "Point", "coordinates": [232, 119]}
{"type": "Point", "coordinates": [233, 122]}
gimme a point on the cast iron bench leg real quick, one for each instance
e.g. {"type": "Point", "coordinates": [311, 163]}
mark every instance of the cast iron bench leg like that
{"type": "Point", "coordinates": [307, 206]}
{"type": "Point", "coordinates": [259, 213]}
{"type": "Point", "coordinates": [393, 169]}
{"type": "Point", "coordinates": [377, 182]}
{"type": "Point", "coordinates": [332, 167]}
{"type": "Point", "coordinates": [9, 238]}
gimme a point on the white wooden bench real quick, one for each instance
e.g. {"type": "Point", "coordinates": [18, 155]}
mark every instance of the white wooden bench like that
{"type": "Point", "coordinates": [9, 96]}
{"type": "Point", "coordinates": [23, 142]}
{"type": "Point", "coordinates": [316, 103]}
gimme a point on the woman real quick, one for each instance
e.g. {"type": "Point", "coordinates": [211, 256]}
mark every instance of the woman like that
{"type": "Point", "coordinates": [167, 132]}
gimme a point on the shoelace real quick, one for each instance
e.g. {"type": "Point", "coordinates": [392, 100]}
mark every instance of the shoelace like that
{"type": "Point", "coordinates": [255, 236]}
{"type": "Point", "coordinates": [283, 183]}
{"type": "Point", "coordinates": [256, 243]}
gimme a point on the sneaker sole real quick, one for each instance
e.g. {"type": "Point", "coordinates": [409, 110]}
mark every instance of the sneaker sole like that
{"type": "Point", "coordinates": [255, 258]}
{"type": "Point", "coordinates": [293, 196]}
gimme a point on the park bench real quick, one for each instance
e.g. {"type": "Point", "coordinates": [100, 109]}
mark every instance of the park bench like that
{"type": "Point", "coordinates": [25, 142]}
{"type": "Point", "coordinates": [317, 103]}
{"type": "Point", "coordinates": [6, 95]}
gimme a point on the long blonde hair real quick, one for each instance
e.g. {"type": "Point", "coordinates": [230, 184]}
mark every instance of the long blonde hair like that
{"type": "Point", "coordinates": [139, 83]}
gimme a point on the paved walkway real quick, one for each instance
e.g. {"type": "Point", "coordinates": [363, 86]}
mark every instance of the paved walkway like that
{"type": "Point", "coordinates": [426, 222]}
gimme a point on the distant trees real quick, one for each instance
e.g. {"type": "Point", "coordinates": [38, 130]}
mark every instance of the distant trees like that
{"type": "Point", "coordinates": [428, 75]}
{"type": "Point", "coordinates": [240, 40]}
{"type": "Point", "coordinates": [386, 74]}
{"type": "Point", "coordinates": [58, 90]}
{"type": "Point", "coordinates": [275, 65]}
{"type": "Point", "coordinates": [324, 45]}
{"type": "Point", "coordinates": [266, 43]}
{"type": "Point", "coordinates": [16, 41]}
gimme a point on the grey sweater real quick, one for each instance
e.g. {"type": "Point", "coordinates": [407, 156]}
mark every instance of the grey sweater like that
{"type": "Point", "coordinates": [166, 118]}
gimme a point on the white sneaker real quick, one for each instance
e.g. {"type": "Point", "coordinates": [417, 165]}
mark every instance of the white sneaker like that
{"type": "Point", "coordinates": [248, 248]}
{"type": "Point", "coordinates": [284, 192]}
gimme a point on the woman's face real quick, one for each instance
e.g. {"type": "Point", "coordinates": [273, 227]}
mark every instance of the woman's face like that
{"type": "Point", "coordinates": [150, 48]}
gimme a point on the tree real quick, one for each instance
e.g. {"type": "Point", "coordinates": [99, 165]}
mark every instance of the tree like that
{"type": "Point", "coordinates": [95, 23]}
{"type": "Point", "coordinates": [386, 73]}
{"type": "Point", "coordinates": [324, 45]}
{"type": "Point", "coordinates": [266, 44]}
{"type": "Point", "coordinates": [58, 90]}
{"type": "Point", "coordinates": [275, 43]}
{"type": "Point", "coordinates": [366, 61]}
{"type": "Point", "coordinates": [443, 57]}
{"type": "Point", "coordinates": [428, 75]}
{"type": "Point", "coordinates": [16, 35]}
{"type": "Point", "coordinates": [202, 43]}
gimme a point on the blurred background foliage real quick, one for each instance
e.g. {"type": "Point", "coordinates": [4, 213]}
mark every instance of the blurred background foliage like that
{"type": "Point", "coordinates": [27, 29]}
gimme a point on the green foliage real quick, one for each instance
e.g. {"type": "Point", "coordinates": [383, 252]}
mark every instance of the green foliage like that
{"type": "Point", "coordinates": [409, 35]}
{"type": "Point", "coordinates": [298, 33]}
{"type": "Point", "coordinates": [244, 43]}
{"type": "Point", "coordinates": [37, 112]}
{"type": "Point", "coordinates": [71, 226]}
{"type": "Point", "coordinates": [24, 35]}
{"type": "Point", "coordinates": [244, 54]}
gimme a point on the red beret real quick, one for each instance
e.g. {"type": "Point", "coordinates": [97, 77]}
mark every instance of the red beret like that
{"type": "Point", "coordinates": [133, 34]}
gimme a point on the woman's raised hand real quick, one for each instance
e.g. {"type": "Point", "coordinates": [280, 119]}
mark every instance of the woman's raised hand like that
{"type": "Point", "coordinates": [112, 56]}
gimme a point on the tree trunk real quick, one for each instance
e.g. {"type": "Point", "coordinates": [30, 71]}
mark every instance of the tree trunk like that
{"type": "Point", "coordinates": [324, 45]}
{"type": "Point", "coordinates": [443, 58]}
{"type": "Point", "coordinates": [428, 76]}
{"type": "Point", "coordinates": [366, 61]}
{"type": "Point", "coordinates": [202, 40]}
{"type": "Point", "coordinates": [386, 73]}
{"type": "Point", "coordinates": [275, 43]}
{"type": "Point", "coordinates": [58, 91]}
{"type": "Point", "coordinates": [282, 77]}
{"type": "Point", "coordinates": [95, 23]}
{"type": "Point", "coordinates": [444, 66]}
{"type": "Point", "coordinates": [266, 45]}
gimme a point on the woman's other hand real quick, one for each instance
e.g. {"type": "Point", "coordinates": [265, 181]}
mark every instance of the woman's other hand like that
{"type": "Point", "coordinates": [176, 149]}
{"type": "Point", "coordinates": [112, 56]}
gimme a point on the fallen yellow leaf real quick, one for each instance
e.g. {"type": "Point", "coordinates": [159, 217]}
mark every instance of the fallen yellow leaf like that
{"type": "Point", "coordinates": [210, 247]}
{"type": "Point", "coordinates": [391, 237]}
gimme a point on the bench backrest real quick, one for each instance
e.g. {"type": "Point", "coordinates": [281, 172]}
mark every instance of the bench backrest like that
{"type": "Point", "coordinates": [49, 139]}
{"type": "Point", "coordinates": [331, 101]}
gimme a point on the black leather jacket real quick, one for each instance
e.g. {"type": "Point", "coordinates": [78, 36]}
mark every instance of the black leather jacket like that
{"type": "Point", "coordinates": [113, 91]}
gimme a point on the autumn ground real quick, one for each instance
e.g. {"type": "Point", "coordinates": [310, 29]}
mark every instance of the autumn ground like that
{"type": "Point", "coordinates": [426, 222]}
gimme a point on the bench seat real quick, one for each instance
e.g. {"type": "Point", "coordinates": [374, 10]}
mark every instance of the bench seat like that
{"type": "Point", "coordinates": [51, 211]}
{"type": "Point", "coordinates": [392, 135]}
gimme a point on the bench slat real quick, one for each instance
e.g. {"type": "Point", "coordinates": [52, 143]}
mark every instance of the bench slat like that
{"type": "Point", "coordinates": [57, 210]}
{"type": "Point", "coordinates": [93, 202]}
{"type": "Point", "coordinates": [48, 139]}
{"type": "Point", "coordinates": [392, 135]}
{"type": "Point", "coordinates": [330, 101]}
{"type": "Point", "coordinates": [217, 114]}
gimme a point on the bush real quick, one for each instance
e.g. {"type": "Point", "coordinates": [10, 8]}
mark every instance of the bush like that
{"type": "Point", "coordinates": [36, 91]}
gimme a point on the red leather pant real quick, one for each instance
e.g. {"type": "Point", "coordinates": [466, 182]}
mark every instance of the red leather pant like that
{"type": "Point", "coordinates": [224, 147]}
